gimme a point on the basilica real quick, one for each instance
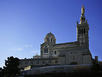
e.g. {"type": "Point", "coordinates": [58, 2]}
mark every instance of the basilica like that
{"type": "Point", "coordinates": [68, 53]}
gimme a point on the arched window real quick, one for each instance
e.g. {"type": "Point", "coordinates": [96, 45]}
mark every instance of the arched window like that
{"type": "Point", "coordinates": [55, 52]}
{"type": "Point", "coordinates": [37, 62]}
{"type": "Point", "coordinates": [48, 39]}
{"type": "Point", "coordinates": [84, 31]}
{"type": "Point", "coordinates": [51, 39]}
{"type": "Point", "coordinates": [46, 50]}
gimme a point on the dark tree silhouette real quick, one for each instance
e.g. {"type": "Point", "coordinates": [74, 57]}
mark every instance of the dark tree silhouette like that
{"type": "Point", "coordinates": [11, 68]}
{"type": "Point", "coordinates": [0, 72]}
{"type": "Point", "coordinates": [0, 68]}
{"type": "Point", "coordinates": [95, 67]}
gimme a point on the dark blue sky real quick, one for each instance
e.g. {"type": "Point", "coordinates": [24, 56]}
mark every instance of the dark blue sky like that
{"type": "Point", "coordinates": [24, 24]}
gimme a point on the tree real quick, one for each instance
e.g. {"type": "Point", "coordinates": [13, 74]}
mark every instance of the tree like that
{"type": "Point", "coordinates": [0, 72]}
{"type": "Point", "coordinates": [11, 68]}
{"type": "Point", "coordinates": [0, 68]}
{"type": "Point", "coordinates": [95, 67]}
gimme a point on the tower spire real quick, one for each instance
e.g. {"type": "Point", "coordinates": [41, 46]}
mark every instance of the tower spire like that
{"type": "Point", "coordinates": [82, 30]}
{"type": "Point", "coordinates": [82, 18]}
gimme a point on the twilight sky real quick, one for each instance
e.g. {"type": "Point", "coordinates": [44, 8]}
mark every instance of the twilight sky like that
{"type": "Point", "coordinates": [24, 24]}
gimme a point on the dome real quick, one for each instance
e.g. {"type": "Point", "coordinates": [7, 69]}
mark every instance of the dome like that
{"type": "Point", "coordinates": [50, 35]}
{"type": "Point", "coordinates": [50, 38]}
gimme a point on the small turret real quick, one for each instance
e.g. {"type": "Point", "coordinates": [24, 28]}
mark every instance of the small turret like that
{"type": "Point", "coordinates": [50, 39]}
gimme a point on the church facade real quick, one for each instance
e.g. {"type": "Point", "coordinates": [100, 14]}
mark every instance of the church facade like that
{"type": "Point", "coordinates": [64, 53]}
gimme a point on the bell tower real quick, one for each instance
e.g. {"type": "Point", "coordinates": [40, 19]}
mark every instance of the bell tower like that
{"type": "Point", "coordinates": [83, 30]}
{"type": "Point", "coordinates": [46, 47]}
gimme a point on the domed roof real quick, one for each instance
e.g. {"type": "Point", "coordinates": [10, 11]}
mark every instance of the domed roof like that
{"type": "Point", "coordinates": [49, 35]}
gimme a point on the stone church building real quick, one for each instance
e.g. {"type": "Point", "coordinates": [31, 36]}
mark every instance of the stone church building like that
{"type": "Point", "coordinates": [76, 52]}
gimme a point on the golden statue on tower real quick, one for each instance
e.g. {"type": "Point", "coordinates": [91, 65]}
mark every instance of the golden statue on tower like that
{"type": "Point", "coordinates": [82, 10]}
